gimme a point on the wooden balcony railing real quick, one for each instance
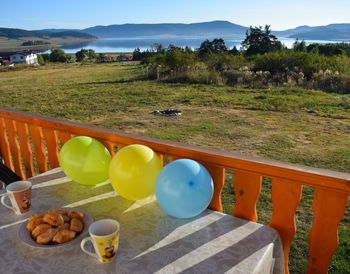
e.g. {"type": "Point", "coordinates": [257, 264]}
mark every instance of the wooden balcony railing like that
{"type": "Point", "coordinates": [26, 139]}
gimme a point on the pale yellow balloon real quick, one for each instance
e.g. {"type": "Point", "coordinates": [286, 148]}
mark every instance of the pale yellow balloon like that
{"type": "Point", "coordinates": [133, 172]}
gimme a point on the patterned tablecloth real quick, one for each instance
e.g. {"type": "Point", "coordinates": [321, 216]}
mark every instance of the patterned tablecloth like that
{"type": "Point", "coordinates": [150, 241]}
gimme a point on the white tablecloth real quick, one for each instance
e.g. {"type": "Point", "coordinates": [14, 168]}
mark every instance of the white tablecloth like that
{"type": "Point", "coordinates": [150, 241]}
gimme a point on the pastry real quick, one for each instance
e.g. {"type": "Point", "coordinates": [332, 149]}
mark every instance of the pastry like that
{"type": "Point", "coordinates": [36, 215]}
{"type": "Point", "coordinates": [34, 223]}
{"type": "Point", "coordinates": [65, 226]}
{"type": "Point", "coordinates": [76, 214]}
{"type": "Point", "coordinates": [47, 236]}
{"type": "Point", "coordinates": [40, 229]}
{"type": "Point", "coordinates": [66, 218]}
{"type": "Point", "coordinates": [63, 236]}
{"type": "Point", "coordinates": [76, 225]}
{"type": "Point", "coordinates": [57, 226]}
{"type": "Point", "coordinates": [53, 219]}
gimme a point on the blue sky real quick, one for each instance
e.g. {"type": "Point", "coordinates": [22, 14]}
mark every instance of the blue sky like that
{"type": "Point", "coordinates": [39, 14]}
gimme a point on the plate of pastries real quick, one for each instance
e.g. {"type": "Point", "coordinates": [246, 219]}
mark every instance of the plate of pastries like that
{"type": "Point", "coordinates": [55, 227]}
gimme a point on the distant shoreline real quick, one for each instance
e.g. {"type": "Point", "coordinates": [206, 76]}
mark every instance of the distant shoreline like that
{"type": "Point", "coordinates": [126, 44]}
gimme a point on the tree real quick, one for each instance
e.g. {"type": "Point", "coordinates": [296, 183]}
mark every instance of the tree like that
{"type": "Point", "coordinates": [260, 40]}
{"type": "Point", "coordinates": [188, 49]}
{"type": "Point", "coordinates": [85, 54]}
{"type": "Point", "coordinates": [299, 46]}
{"type": "Point", "coordinates": [312, 48]}
{"type": "Point", "coordinates": [158, 48]}
{"type": "Point", "coordinates": [234, 51]}
{"type": "Point", "coordinates": [70, 58]}
{"type": "Point", "coordinates": [46, 57]}
{"type": "Point", "coordinates": [218, 45]}
{"type": "Point", "coordinates": [172, 47]}
{"type": "Point", "coordinates": [91, 54]}
{"type": "Point", "coordinates": [58, 55]}
{"type": "Point", "coordinates": [137, 55]}
{"type": "Point", "coordinates": [211, 47]}
{"type": "Point", "coordinates": [81, 55]}
{"type": "Point", "coordinates": [41, 59]}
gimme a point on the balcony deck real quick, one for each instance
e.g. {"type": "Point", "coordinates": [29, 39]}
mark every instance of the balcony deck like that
{"type": "Point", "coordinates": [29, 144]}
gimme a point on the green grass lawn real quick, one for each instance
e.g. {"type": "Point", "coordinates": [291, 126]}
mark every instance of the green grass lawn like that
{"type": "Point", "coordinates": [290, 124]}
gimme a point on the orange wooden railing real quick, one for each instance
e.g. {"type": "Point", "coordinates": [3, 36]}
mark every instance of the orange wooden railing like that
{"type": "Point", "coordinates": [26, 139]}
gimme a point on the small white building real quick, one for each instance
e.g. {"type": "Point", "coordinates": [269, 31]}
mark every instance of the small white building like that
{"type": "Point", "coordinates": [29, 58]}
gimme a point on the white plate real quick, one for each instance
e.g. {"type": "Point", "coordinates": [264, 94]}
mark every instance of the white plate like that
{"type": "Point", "coordinates": [24, 234]}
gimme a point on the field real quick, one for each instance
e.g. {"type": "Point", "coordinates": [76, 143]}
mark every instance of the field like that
{"type": "Point", "coordinates": [288, 123]}
{"type": "Point", "coordinates": [7, 44]}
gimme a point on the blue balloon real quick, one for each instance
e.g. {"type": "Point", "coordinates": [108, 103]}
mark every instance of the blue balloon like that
{"type": "Point", "coordinates": [184, 188]}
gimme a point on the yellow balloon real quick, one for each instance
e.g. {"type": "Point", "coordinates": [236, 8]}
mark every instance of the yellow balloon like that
{"type": "Point", "coordinates": [85, 160]}
{"type": "Point", "coordinates": [133, 172]}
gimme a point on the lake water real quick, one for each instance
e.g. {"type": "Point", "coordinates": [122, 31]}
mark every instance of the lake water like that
{"type": "Point", "coordinates": [129, 44]}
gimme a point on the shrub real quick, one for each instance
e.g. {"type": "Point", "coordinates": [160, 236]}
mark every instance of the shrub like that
{"type": "Point", "coordinates": [41, 59]}
{"type": "Point", "coordinates": [294, 67]}
{"type": "Point", "coordinates": [331, 81]}
{"type": "Point", "coordinates": [225, 61]}
{"type": "Point", "coordinates": [285, 61]}
{"type": "Point", "coordinates": [58, 55]}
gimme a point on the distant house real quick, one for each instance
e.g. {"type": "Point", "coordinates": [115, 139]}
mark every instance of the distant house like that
{"type": "Point", "coordinates": [105, 59]}
{"type": "Point", "coordinates": [124, 57]}
{"type": "Point", "coordinates": [26, 57]}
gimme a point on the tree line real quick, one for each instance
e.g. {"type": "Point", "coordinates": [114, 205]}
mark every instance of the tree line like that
{"type": "Point", "coordinates": [258, 40]}
{"type": "Point", "coordinates": [84, 55]}
{"type": "Point", "coordinates": [262, 60]}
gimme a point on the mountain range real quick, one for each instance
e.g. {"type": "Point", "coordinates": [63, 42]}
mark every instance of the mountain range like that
{"type": "Point", "coordinates": [206, 29]}
{"type": "Point", "coordinates": [329, 32]}
{"type": "Point", "coordinates": [45, 33]}
{"type": "Point", "coordinates": [212, 29]}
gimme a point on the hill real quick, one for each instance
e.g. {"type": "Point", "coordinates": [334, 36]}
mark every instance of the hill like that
{"type": "Point", "coordinates": [11, 33]}
{"type": "Point", "coordinates": [206, 29]}
{"type": "Point", "coordinates": [329, 32]}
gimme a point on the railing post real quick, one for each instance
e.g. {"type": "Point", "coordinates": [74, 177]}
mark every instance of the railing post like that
{"type": "Point", "coordinates": [64, 137]}
{"type": "Point", "coordinates": [285, 199]}
{"type": "Point", "coordinates": [329, 207]}
{"type": "Point", "coordinates": [27, 154]}
{"type": "Point", "coordinates": [5, 145]}
{"type": "Point", "coordinates": [247, 189]}
{"type": "Point", "coordinates": [14, 146]}
{"type": "Point", "coordinates": [52, 147]}
{"type": "Point", "coordinates": [40, 155]}
{"type": "Point", "coordinates": [218, 175]}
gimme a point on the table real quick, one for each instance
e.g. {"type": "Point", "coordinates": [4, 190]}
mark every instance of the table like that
{"type": "Point", "coordinates": [150, 241]}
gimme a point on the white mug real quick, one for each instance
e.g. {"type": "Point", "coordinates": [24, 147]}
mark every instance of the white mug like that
{"type": "Point", "coordinates": [104, 235]}
{"type": "Point", "coordinates": [20, 194]}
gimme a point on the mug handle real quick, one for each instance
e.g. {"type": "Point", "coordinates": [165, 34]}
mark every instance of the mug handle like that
{"type": "Point", "coordinates": [3, 197]}
{"type": "Point", "coordinates": [82, 246]}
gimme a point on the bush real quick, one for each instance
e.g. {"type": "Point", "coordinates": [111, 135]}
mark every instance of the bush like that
{"type": "Point", "coordinates": [45, 56]}
{"type": "Point", "coordinates": [286, 61]}
{"type": "Point", "coordinates": [330, 49]}
{"type": "Point", "coordinates": [41, 59]}
{"type": "Point", "coordinates": [248, 78]}
{"type": "Point", "coordinates": [85, 55]}
{"type": "Point", "coordinates": [331, 81]}
{"type": "Point", "coordinates": [225, 61]}
{"type": "Point", "coordinates": [175, 60]}
{"type": "Point", "coordinates": [294, 67]}
{"type": "Point", "coordinates": [58, 55]}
